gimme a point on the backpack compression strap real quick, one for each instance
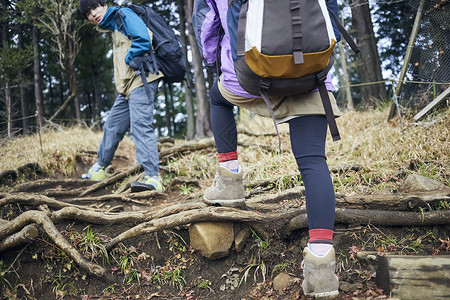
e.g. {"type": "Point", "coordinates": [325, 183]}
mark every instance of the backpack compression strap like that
{"type": "Point", "coordinates": [264, 87]}
{"type": "Point", "coordinates": [296, 23]}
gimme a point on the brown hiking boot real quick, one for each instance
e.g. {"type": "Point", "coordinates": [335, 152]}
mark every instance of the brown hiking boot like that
{"type": "Point", "coordinates": [226, 190]}
{"type": "Point", "coordinates": [319, 278]}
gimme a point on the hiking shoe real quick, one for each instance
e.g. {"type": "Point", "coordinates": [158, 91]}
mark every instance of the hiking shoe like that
{"type": "Point", "coordinates": [319, 278]}
{"type": "Point", "coordinates": [96, 173]}
{"type": "Point", "coordinates": [227, 189]}
{"type": "Point", "coordinates": [147, 183]}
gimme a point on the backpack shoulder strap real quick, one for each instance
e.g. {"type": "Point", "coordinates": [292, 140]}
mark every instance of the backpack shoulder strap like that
{"type": "Point", "coordinates": [344, 33]}
{"type": "Point", "coordinates": [118, 19]}
{"type": "Point", "coordinates": [241, 29]}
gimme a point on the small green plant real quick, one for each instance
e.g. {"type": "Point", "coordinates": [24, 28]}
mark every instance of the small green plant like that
{"type": "Point", "coordinates": [4, 271]}
{"type": "Point", "coordinates": [110, 289]}
{"type": "Point", "coordinates": [91, 244]}
{"type": "Point", "coordinates": [175, 244]}
{"type": "Point", "coordinates": [204, 284]}
{"type": "Point", "coordinates": [388, 243]}
{"type": "Point", "coordinates": [342, 261]}
{"type": "Point", "coordinates": [258, 267]}
{"type": "Point", "coordinates": [175, 278]}
{"type": "Point", "coordinates": [187, 189]}
{"type": "Point", "coordinates": [260, 243]}
{"type": "Point", "coordinates": [169, 276]}
{"type": "Point", "coordinates": [126, 264]}
{"type": "Point", "coordinates": [443, 205]}
{"type": "Point", "coordinates": [10, 214]}
{"type": "Point", "coordinates": [279, 267]}
{"type": "Point", "coordinates": [410, 242]}
{"type": "Point", "coordinates": [130, 275]}
{"type": "Point", "coordinates": [61, 287]}
{"type": "Point", "coordinates": [167, 178]}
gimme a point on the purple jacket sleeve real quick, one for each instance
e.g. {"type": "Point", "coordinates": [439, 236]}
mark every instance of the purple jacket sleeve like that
{"type": "Point", "coordinates": [210, 33]}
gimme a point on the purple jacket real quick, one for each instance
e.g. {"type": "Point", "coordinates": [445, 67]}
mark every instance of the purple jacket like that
{"type": "Point", "coordinates": [209, 39]}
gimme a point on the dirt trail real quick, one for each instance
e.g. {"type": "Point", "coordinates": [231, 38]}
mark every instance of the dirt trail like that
{"type": "Point", "coordinates": [101, 242]}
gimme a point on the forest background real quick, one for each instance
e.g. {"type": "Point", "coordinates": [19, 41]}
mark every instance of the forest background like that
{"type": "Point", "coordinates": [55, 67]}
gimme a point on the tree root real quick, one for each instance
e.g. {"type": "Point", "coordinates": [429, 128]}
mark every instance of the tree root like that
{"type": "Point", "coordinates": [127, 183]}
{"type": "Point", "coordinates": [41, 219]}
{"type": "Point", "coordinates": [26, 235]}
{"type": "Point", "coordinates": [123, 198]}
{"type": "Point", "coordinates": [209, 214]}
{"type": "Point", "coordinates": [46, 184]}
{"type": "Point", "coordinates": [378, 217]}
{"type": "Point", "coordinates": [73, 213]}
{"type": "Point", "coordinates": [279, 213]}
{"type": "Point", "coordinates": [36, 200]}
{"type": "Point", "coordinates": [400, 201]}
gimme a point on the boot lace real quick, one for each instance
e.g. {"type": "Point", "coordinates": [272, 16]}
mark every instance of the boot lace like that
{"type": "Point", "coordinates": [217, 183]}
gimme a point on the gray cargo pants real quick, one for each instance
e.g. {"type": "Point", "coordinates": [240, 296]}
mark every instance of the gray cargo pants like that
{"type": "Point", "coordinates": [137, 114]}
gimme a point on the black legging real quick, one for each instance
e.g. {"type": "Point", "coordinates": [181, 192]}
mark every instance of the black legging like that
{"type": "Point", "coordinates": [308, 135]}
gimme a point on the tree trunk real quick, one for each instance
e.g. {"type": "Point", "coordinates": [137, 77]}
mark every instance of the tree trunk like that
{"type": "Point", "coordinates": [4, 43]}
{"type": "Point", "coordinates": [203, 123]}
{"type": "Point", "coordinates": [369, 66]}
{"type": "Point", "coordinates": [62, 107]}
{"type": "Point", "coordinates": [8, 106]}
{"type": "Point", "coordinates": [59, 20]}
{"type": "Point", "coordinates": [96, 102]}
{"type": "Point", "coordinates": [23, 104]}
{"type": "Point", "coordinates": [37, 79]}
{"type": "Point", "coordinates": [345, 80]}
{"type": "Point", "coordinates": [73, 81]}
{"type": "Point", "coordinates": [168, 112]}
{"type": "Point", "coordinates": [190, 130]}
{"type": "Point", "coordinates": [74, 93]}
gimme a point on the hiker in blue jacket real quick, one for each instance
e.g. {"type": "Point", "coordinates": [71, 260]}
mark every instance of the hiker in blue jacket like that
{"type": "Point", "coordinates": [308, 129]}
{"type": "Point", "coordinates": [133, 108]}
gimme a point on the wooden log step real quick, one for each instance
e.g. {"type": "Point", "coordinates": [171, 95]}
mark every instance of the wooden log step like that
{"type": "Point", "coordinates": [414, 277]}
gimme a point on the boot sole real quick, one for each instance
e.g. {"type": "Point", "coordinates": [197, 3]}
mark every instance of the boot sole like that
{"type": "Point", "coordinates": [323, 294]}
{"type": "Point", "coordinates": [137, 189]}
{"type": "Point", "coordinates": [142, 188]}
{"type": "Point", "coordinates": [225, 203]}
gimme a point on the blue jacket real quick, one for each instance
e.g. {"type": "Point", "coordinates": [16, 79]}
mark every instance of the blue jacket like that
{"type": "Point", "coordinates": [130, 41]}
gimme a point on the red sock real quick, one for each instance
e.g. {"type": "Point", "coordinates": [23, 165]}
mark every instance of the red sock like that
{"type": "Point", "coordinates": [223, 157]}
{"type": "Point", "coordinates": [320, 235]}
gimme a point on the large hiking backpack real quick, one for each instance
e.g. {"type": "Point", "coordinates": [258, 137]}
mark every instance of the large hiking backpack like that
{"type": "Point", "coordinates": [166, 53]}
{"type": "Point", "coordinates": [279, 47]}
{"type": "Point", "coordinates": [284, 47]}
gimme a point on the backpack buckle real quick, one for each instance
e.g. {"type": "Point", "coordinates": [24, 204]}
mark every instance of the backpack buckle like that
{"type": "Point", "coordinates": [321, 76]}
{"type": "Point", "coordinates": [264, 84]}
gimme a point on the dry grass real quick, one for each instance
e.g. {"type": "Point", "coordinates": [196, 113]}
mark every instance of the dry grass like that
{"type": "Point", "coordinates": [58, 153]}
{"type": "Point", "coordinates": [367, 140]}
{"type": "Point", "coordinates": [386, 153]}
